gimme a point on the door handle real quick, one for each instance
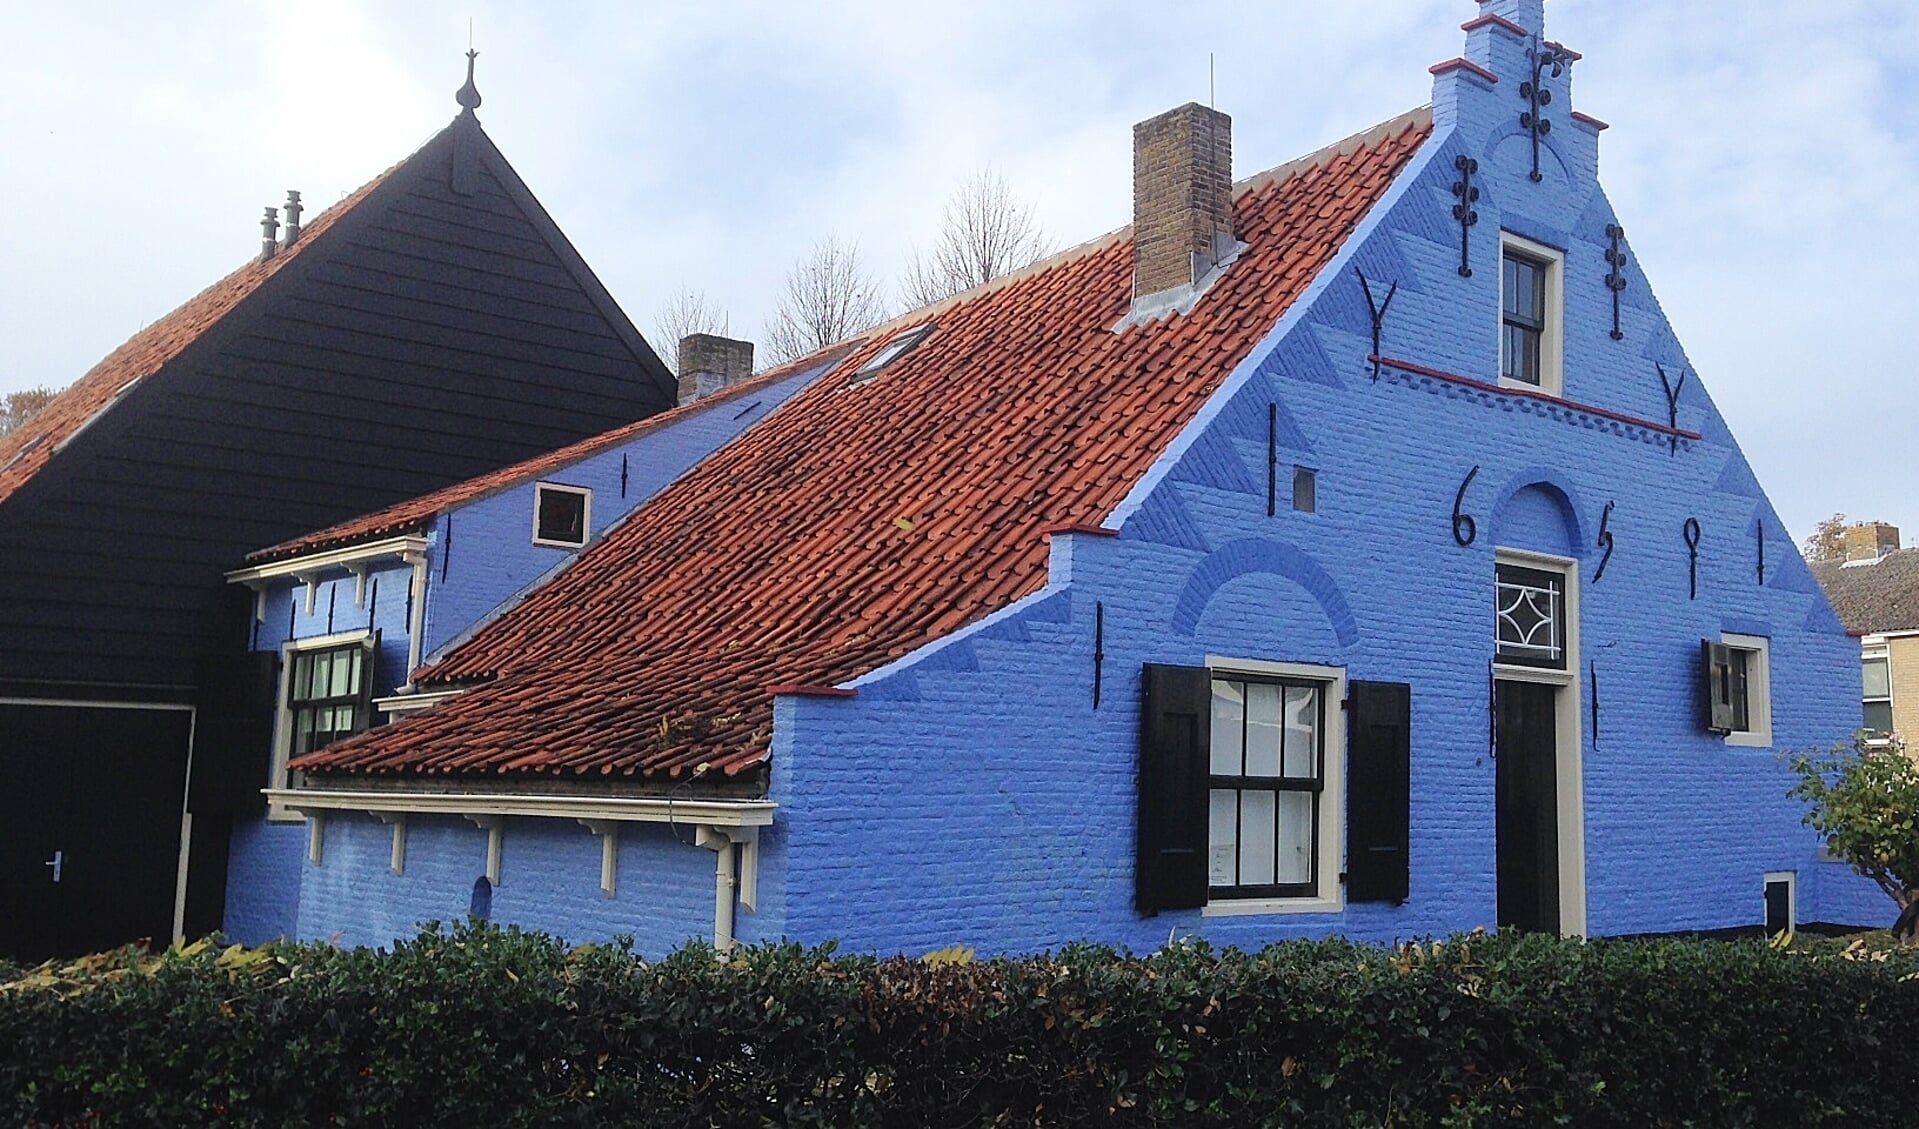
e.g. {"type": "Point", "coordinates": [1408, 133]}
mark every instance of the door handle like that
{"type": "Point", "coordinates": [58, 863]}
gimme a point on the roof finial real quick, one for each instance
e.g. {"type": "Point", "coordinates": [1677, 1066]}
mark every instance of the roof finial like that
{"type": "Point", "coordinates": [469, 95]}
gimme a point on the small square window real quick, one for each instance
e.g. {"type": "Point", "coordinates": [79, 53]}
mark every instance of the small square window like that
{"type": "Point", "coordinates": [1530, 314]}
{"type": "Point", "coordinates": [560, 515]}
{"type": "Point", "coordinates": [1305, 490]}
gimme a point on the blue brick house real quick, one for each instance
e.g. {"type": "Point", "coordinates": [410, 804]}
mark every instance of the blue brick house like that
{"type": "Point", "coordinates": [351, 611]}
{"type": "Point", "coordinates": [1349, 549]}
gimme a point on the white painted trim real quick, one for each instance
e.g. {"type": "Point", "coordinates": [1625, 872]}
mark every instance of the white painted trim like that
{"type": "Point", "coordinates": [1332, 796]}
{"type": "Point", "coordinates": [1758, 735]}
{"type": "Point", "coordinates": [1552, 347]}
{"type": "Point", "coordinates": [739, 845]}
{"type": "Point", "coordinates": [586, 514]}
{"type": "Point", "coordinates": [495, 828]}
{"type": "Point", "coordinates": [180, 878]}
{"type": "Point", "coordinates": [609, 832]}
{"type": "Point", "coordinates": [399, 705]}
{"type": "Point", "coordinates": [416, 623]}
{"type": "Point", "coordinates": [316, 838]}
{"type": "Point", "coordinates": [646, 809]}
{"type": "Point", "coordinates": [77, 704]}
{"type": "Point", "coordinates": [1569, 739]}
{"type": "Point", "coordinates": [329, 558]}
{"type": "Point", "coordinates": [1791, 879]}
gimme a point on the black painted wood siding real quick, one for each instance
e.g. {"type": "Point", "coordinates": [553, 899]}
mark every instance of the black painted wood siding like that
{"type": "Point", "coordinates": [429, 338]}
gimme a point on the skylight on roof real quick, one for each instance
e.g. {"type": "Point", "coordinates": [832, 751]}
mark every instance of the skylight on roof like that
{"type": "Point", "coordinates": [30, 446]}
{"type": "Point", "coordinates": [901, 344]}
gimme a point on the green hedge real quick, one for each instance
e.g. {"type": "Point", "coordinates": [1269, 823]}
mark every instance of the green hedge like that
{"type": "Point", "coordinates": [482, 1026]}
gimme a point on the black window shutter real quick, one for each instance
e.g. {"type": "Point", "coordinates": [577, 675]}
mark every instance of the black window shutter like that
{"type": "Point", "coordinates": [1378, 791]}
{"type": "Point", "coordinates": [233, 732]}
{"type": "Point", "coordinates": [1174, 772]}
{"type": "Point", "coordinates": [1715, 662]}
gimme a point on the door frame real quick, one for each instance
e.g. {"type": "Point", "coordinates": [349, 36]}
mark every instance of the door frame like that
{"type": "Point", "coordinates": [186, 785]}
{"type": "Point", "coordinates": [1568, 738]}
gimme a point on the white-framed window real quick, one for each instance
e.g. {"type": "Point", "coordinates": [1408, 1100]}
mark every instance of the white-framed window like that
{"type": "Point", "coordinates": [562, 515]}
{"type": "Point", "coordinates": [1531, 315]}
{"type": "Point", "coordinates": [1276, 807]}
{"type": "Point", "coordinates": [1529, 616]}
{"type": "Point", "coordinates": [1875, 696]}
{"type": "Point", "coordinates": [1748, 689]}
{"type": "Point", "coordinates": [326, 694]}
{"type": "Point", "coordinates": [901, 344]}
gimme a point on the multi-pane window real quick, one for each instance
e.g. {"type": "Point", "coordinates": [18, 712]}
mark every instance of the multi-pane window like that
{"type": "Point", "coordinates": [1523, 318]}
{"type": "Point", "coordinates": [1876, 697]}
{"type": "Point", "coordinates": [1529, 613]}
{"type": "Point", "coordinates": [1268, 773]}
{"type": "Point", "coordinates": [327, 695]}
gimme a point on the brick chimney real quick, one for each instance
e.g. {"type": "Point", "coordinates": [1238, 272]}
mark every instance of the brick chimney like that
{"type": "Point", "coordinates": [709, 363]}
{"type": "Point", "coordinates": [1182, 198]}
{"type": "Point", "coordinates": [1870, 540]}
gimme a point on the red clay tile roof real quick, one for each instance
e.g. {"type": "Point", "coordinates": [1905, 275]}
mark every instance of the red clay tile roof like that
{"type": "Point", "coordinates": [415, 513]}
{"type": "Point", "coordinates": [861, 522]}
{"type": "Point", "coordinates": [147, 351]}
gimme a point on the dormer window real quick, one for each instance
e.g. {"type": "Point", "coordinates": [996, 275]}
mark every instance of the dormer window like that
{"type": "Point", "coordinates": [561, 515]}
{"type": "Point", "coordinates": [902, 343]}
{"type": "Point", "coordinates": [1530, 312]}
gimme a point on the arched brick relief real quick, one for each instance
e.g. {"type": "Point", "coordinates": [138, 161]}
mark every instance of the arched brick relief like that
{"type": "Point", "coordinates": [1538, 510]}
{"type": "Point", "coordinates": [1258, 555]}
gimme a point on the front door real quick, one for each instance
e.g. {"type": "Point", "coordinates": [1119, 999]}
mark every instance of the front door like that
{"type": "Point", "coordinates": [89, 827]}
{"type": "Point", "coordinates": [1527, 806]}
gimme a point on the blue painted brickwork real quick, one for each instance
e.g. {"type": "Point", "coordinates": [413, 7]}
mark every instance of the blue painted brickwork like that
{"type": "Point", "coordinates": [478, 557]}
{"type": "Point", "coordinates": [971, 794]}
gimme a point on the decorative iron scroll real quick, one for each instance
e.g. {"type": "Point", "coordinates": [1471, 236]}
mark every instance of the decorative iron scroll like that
{"type": "Point", "coordinates": [1672, 400]}
{"type": "Point", "coordinates": [1548, 60]}
{"type": "Point", "coordinates": [1592, 675]}
{"type": "Point", "coordinates": [1099, 646]}
{"type": "Point", "coordinates": [1492, 709]}
{"type": "Point", "coordinates": [1468, 194]}
{"type": "Point", "coordinates": [1272, 458]}
{"type": "Point", "coordinates": [1760, 531]}
{"type": "Point", "coordinates": [1378, 312]}
{"type": "Point", "coordinates": [1464, 521]}
{"type": "Point", "coordinates": [1692, 551]}
{"type": "Point", "coordinates": [1605, 541]}
{"type": "Point", "coordinates": [1616, 280]}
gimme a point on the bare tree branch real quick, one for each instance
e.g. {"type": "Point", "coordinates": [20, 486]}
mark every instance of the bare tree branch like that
{"type": "Point", "coordinates": [828, 297]}
{"type": "Point", "coordinates": [16, 408]}
{"type": "Point", "coordinates": [984, 233]}
{"type": "Point", "coordinates": [687, 312]}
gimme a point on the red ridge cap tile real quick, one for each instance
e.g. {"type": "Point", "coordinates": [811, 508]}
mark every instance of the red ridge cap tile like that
{"type": "Point", "coordinates": [1462, 65]}
{"type": "Point", "coordinates": [1589, 120]}
{"type": "Point", "coordinates": [1494, 20]}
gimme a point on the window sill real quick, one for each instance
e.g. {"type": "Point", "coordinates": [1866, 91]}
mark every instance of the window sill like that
{"type": "Point", "coordinates": [1250, 907]}
{"type": "Point", "coordinates": [1508, 384]}
{"type": "Point", "coordinates": [1749, 740]}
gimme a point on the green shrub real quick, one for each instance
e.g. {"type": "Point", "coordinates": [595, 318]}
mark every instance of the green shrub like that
{"type": "Point", "coordinates": [483, 1026]}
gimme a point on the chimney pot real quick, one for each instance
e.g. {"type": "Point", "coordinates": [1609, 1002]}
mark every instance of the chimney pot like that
{"type": "Point", "coordinates": [1182, 198]}
{"type": "Point", "coordinates": [294, 209]}
{"type": "Point", "coordinates": [1870, 540]}
{"type": "Point", "coordinates": [709, 362]}
{"type": "Point", "coordinates": [269, 226]}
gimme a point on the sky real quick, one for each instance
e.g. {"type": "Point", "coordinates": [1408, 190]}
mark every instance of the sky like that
{"type": "Point", "coordinates": [1763, 156]}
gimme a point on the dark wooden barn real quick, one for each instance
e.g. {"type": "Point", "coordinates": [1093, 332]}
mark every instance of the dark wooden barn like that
{"type": "Point", "coordinates": [432, 326]}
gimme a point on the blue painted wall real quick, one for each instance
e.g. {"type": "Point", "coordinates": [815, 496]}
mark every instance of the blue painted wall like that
{"type": "Point", "coordinates": [972, 794]}
{"type": "Point", "coordinates": [480, 559]}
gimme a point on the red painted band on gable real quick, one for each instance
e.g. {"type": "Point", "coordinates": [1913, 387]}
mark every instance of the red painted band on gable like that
{"type": "Point", "coordinates": [1089, 530]}
{"type": "Point", "coordinates": [799, 691]}
{"type": "Point", "coordinates": [1469, 382]}
{"type": "Point", "coordinates": [1496, 21]}
{"type": "Point", "coordinates": [1462, 65]}
{"type": "Point", "coordinates": [1589, 120]}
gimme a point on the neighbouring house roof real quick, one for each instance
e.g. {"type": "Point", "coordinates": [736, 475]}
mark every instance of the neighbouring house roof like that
{"type": "Point", "coordinates": [415, 514]}
{"type": "Point", "coordinates": [1873, 596]}
{"type": "Point", "coordinates": [31, 447]}
{"type": "Point", "coordinates": [866, 519]}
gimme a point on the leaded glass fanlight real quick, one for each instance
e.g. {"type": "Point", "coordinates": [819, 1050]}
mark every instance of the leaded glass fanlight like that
{"type": "Point", "coordinates": [1529, 626]}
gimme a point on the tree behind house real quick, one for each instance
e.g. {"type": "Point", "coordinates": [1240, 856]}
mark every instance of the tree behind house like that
{"type": "Point", "coordinates": [984, 233]}
{"type": "Point", "coordinates": [687, 312]}
{"type": "Point", "coordinates": [828, 297]}
{"type": "Point", "coordinates": [19, 407]}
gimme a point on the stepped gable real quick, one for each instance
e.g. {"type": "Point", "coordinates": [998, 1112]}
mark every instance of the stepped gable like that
{"type": "Point", "coordinates": [868, 518]}
{"type": "Point", "coordinates": [415, 514]}
{"type": "Point", "coordinates": [29, 448]}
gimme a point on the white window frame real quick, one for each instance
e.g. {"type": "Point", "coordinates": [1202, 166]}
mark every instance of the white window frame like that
{"type": "Point", "coordinates": [1332, 795]}
{"type": "Point", "coordinates": [1880, 651]}
{"type": "Point", "coordinates": [897, 346]}
{"type": "Point", "coordinates": [1552, 381]}
{"type": "Point", "coordinates": [540, 490]}
{"type": "Point", "coordinates": [1569, 738]}
{"type": "Point", "coordinates": [1758, 731]}
{"type": "Point", "coordinates": [283, 709]}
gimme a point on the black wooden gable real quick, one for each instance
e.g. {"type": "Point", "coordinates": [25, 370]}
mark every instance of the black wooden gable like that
{"type": "Point", "coordinates": [424, 336]}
